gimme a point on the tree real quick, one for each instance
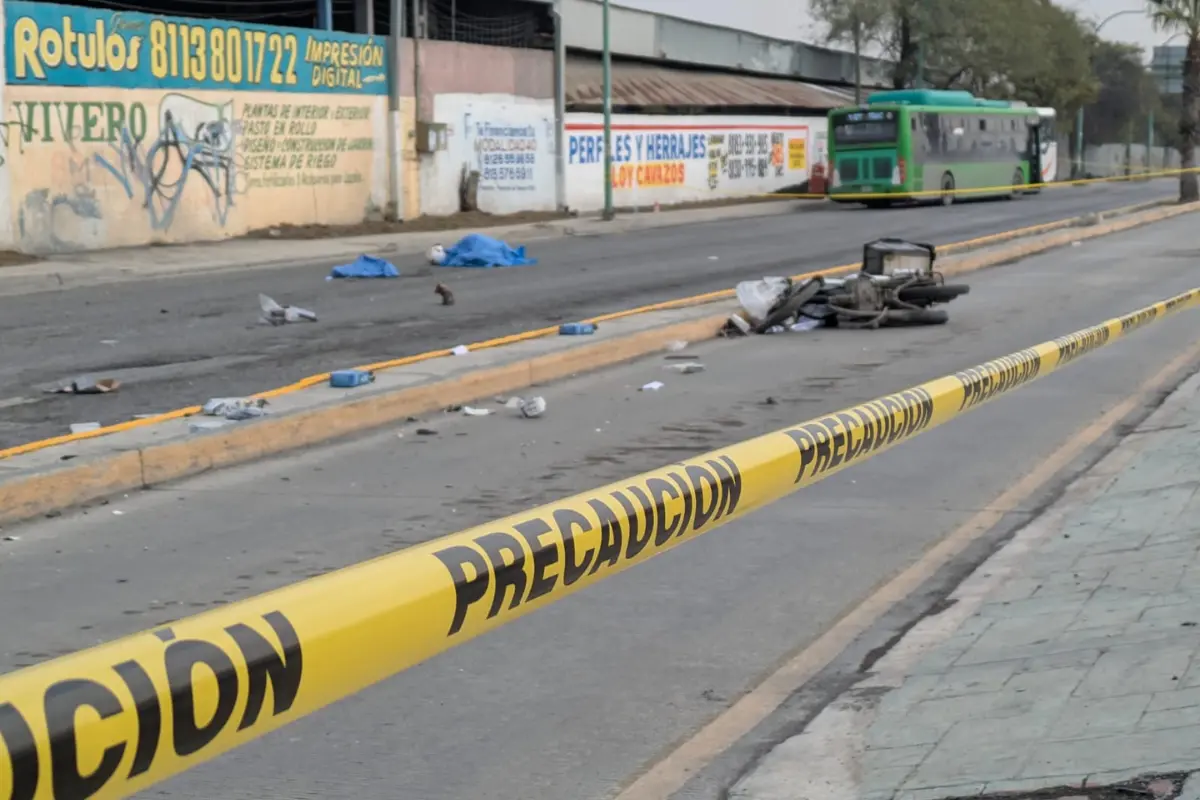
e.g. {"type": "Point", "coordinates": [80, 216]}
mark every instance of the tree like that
{"type": "Point", "coordinates": [1031, 50]}
{"type": "Point", "coordinates": [1183, 16]}
{"type": "Point", "coordinates": [1128, 94]}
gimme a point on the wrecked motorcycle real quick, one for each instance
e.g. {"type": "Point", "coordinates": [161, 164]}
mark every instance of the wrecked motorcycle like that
{"type": "Point", "coordinates": [896, 285]}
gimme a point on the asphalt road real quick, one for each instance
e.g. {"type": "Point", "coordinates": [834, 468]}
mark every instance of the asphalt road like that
{"type": "Point", "coordinates": [177, 342]}
{"type": "Point", "coordinates": [574, 700]}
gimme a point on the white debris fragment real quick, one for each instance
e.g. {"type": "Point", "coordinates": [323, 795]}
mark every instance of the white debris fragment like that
{"type": "Point", "coordinates": [533, 407]}
{"type": "Point", "coordinates": [460, 350]}
{"type": "Point", "coordinates": [653, 386]}
{"type": "Point", "coordinates": [689, 368]}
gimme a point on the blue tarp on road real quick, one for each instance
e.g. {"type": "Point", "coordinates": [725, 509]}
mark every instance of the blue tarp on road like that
{"type": "Point", "coordinates": [366, 267]}
{"type": "Point", "coordinates": [477, 250]}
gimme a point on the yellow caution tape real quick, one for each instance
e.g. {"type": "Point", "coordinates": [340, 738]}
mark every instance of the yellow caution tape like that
{"type": "Point", "coordinates": [113, 720]}
{"type": "Point", "coordinates": [979, 191]}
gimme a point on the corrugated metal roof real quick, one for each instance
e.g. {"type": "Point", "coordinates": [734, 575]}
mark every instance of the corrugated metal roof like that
{"type": "Point", "coordinates": [648, 86]}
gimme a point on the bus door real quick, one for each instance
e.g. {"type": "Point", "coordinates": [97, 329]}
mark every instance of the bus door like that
{"type": "Point", "coordinates": [1036, 134]}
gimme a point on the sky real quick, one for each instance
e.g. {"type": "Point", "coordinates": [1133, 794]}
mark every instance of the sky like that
{"type": "Point", "coordinates": [790, 20]}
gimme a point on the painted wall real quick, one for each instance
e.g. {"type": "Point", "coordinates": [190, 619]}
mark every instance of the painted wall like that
{"type": "Point", "coordinates": [509, 140]}
{"type": "Point", "coordinates": [126, 129]}
{"type": "Point", "coordinates": [670, 160]}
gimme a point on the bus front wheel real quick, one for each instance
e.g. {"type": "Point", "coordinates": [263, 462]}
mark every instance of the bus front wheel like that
{"type": "Point", "coordinates": [947, 189]}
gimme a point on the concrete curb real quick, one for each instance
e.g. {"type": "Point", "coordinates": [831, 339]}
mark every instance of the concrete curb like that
{"type": "Point", "coordinates": [60, 487]}
{"type": "Point", "coordinates": [71, 485]}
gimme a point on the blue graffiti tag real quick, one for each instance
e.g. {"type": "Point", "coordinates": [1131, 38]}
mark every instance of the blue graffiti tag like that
{"type": "Point", "coordinates": [207, 153]}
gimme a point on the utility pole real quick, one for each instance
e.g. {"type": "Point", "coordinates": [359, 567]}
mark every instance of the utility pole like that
{"type": "Point", "coordinates": [560, 109]}
{"type": "Point", "coordinates": [397, 11]}
{"type": "Point", "coordinates": [608, 162]}
{"type": "Point", "coordinates": [854, 19]}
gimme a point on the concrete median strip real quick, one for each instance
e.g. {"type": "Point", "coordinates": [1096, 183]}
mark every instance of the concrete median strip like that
{"type": "Point", "coordinates": [79, 472]}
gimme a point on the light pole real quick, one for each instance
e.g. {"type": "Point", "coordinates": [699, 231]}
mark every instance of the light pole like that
{"type": "Point", "coordinates": [1079, 114]}
{"type": "Point", "coordinates": [606, 59]}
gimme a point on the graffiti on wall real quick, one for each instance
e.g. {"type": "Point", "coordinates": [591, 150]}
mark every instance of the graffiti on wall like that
{"type": "Point", "coordinates": [122, 129]}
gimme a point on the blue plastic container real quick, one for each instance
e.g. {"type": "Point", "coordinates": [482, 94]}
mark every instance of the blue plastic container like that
{"type": "Point", "coordinates": [349, 378]}
{"type": "Point", "coordinates": [576, 329]}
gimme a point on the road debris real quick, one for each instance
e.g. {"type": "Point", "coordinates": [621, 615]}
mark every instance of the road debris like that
{"type": "Point", "coordinates": [460, 350]}
{"type": "Point", "coordinates": [426, 432]}
{"type": "Point", "coordinates": [514, 403]}
{"type": "Point", "coordinates": [349, 378]}
{"type": "Point", "coordinates": [689, 368]}
{"type": "Point", "coordinates": [232, 408]}
{"type": "Point", "coordinates": [478, 250]}
{"type": "Point", "coordinates": [576, 329]}
{"type": "Point", "coordinates": [676, 346]}
{"type": "Point", "coordinates": [444, 292]}
{"type": "Point", "coordinates": [365, 266]}
{"type": "Point", "coordinates": [533, 407]}
{"type": "Point", "coordinates": [738, 326]}
{"type": "Point", "coordinates": [653, 386]}
{"type": "Point", "coordinates": [84, 427]}
{"type": "Point", "coordinates": [275, 314]}
{"type": "Point", "coordinates": [471, 411]}
{"type": "Point", "coordinates": [86, 385]}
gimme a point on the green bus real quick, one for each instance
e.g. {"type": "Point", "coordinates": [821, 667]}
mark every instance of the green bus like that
{"type": "Point", "coordinates": [935, 145]}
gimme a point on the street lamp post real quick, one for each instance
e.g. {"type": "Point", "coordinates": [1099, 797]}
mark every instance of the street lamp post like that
{"type": "Point", "coordinates": [1079, 114]}
{"type": "Point", "coordinates": [608, 160]}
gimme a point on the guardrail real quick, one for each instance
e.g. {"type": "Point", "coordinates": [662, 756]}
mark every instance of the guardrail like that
{"type": "Point", "coordinates": [151, 705]}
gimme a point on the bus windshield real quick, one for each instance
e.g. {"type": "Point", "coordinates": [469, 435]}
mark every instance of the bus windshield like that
{"type": "Point", "coordinates": [865, 127]}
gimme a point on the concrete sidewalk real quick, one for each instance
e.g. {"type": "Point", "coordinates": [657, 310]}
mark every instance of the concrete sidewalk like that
{"type": "Point", "coordinates": [106, 266]}
{"type": "Point", "coordinates": [1071, 658]}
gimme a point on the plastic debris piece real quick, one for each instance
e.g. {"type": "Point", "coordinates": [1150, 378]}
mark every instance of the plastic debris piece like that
{"type": "Point", "coordinates": [676, 346]}
{"type": "Point", "coordinates": [460, 350]}
{"type": "Point", "coordinates": [86, 385]}
{"type": "Point", "coordinates": [687, 369]}
{"type": "Point", "coordinates": [740, 322]}
{"type": "Point", "coordinates": [84, 427]}
{"type": "Point", "coordinates": [246, 412]}
{"type": "Point", "coordinates": [275, 314]}
{"type": "Point", "coordinates": [653, 386]}
{"type": "Point", "coordinates": [437, 255]}
{"type": "Point", "coordinates": [805, 324]}
{"type": "Point", "coordinates": [514, 403]}
{"type": "Point", "coordinates": [759, 297]}
{"type": "Point", "coordinates": [223, 406]}
{"type": "Point", "coordinates": [471, 411]}
{"type": "Point", "coordinates": [118, 512]}
{"type": "Point", "coordinates": [349, 378]}
{"type": "Point", "coordinates": [365, 266]}
{"type": "Point", "coordinates": [576, 329]}
{"type": "Point", "coordinates": [533, 407]}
